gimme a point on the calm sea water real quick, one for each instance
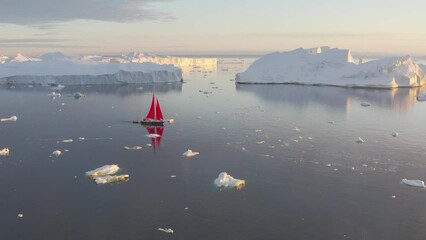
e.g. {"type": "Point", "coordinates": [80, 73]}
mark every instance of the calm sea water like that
{"type": "Point", "coordinates": [306, 177]}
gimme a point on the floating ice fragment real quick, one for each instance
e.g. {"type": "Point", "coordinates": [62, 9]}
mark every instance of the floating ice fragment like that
{"type": "Point", "coordinates": [226, 180]}
{"type": "Point", "coordinates": [57, 88]}
{"type": "Point", "coordinates": [421, 98]}
{"type": "Point", "coordinates": [78, 95]}
{"type": "Point", "coordinates": [102, 171]}
{"type": "Point", "coordinates": [360, 140]}
{"type": "Point", "coordinates": [112, 179]}
{"type": "Point", "coordinates": [261, 142]}
{"type": "Point", "coordinates": [166, 230]}
{"type": "Point", "coordinates": [173, 176]}
{"type": "Point", "coordinates": [258, 130]}
{"type": "Point", "coordinates": [133, 148]}
{"type": "Point", "coordinates": [171, 120]}
{"type": "Point", "coordinates": [67, 140]}
{"type": "Point", "coordinates": [414, 183]}
{"type": "Point", "coordinates": [4, 152]}
{"type": "Point", "coordinates": [56, 153]}
{"type": "Point", "coordinates": [20, 215]}
{"type": "Point", "coordinates": [365, 104]}
{"type": "Point", "coordinates": [190, 153]}
{"type": "Point", "coordinates": [54, 95]}
{"type": "Point", "coordinates": [11, 119]}
{"type": "Point", "coordinates": [395, 134]}
{"type": "Point", "coordinates": [296, 129]}
{"type": "Point", "coordinates": [81, 138]}
{"type": "Point", "coordinates": [149, 144]}
{"type": "Point", "coordinates": [153, 135]}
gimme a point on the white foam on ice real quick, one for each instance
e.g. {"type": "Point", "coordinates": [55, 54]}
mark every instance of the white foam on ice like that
{"type": "Point", "coordinates": [226, 180]}
{"type": "Point", "coordinates": [103, 171]}
{"type": "Point", "coordinates": [11, 119]}
{"type": "Point", "coordinates": [335, 67]}
{"type": "Point", "coordinates": [414, 183]}
{"type": "Point", "coordinates": [190, 153]}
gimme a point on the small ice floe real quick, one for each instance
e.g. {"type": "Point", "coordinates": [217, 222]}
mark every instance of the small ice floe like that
{"type": "Point", "coordinates": [112, 179]}
{"type": "Point", "coordinates": [67, 141]}
{"type": "Point", "coordinates": [173, 176]}
{"type": "Point", "coordinates": [59, 87]}
{"type": "Point", "coordinates": [360, 140]}
{"type": "Point", "coordinates": [153, 135]}
{"type": "Point", "coordinates": [78, 95]}
{"type": "Point", "coordinates": [261, 142]}
{"type": "Point", "coordinates": [421, 98]}
{"type": "Point", "coordinates": [365, 104]}
{"type": "Point", "coordinates": [20, 215]}
{"type": "Point", "coordinates": [102, 171]}
{"type": "Point", "coordinates": [414, 183]}
{"type": "Point", "coordinates": [54, 95]}
{"type": "Point", "coordinates": [296, 129]}
{"type": "Point", "coordinates": [11, 119]}
{"type": "Point", "coordinates": [258, 130]}
{"type": "Point", "coordinates": [133, 148]}
{"type": "Point", "coordinates": [56, 153]}
{"type": "Point", "coordinates": [226, 180]}
{"type": "Point", "coordinates": [171, 120]}
{"type": "Point", "coordinates": [149, 144]}
{"type": "Point", "coordinates": [394, 134]}
{"type": "Point", "coordinates": [4, 152]}
{"type": "Point", "coordinates": [166, 230]}
{"type": "Point", "coordinates": [190, 153]}
{"type": "Point", "coordinates": [81, 138]}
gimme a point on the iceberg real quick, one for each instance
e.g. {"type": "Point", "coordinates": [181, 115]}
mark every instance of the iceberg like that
{"type": "Point", "coordinates": [4, 152]}
{"type": "Point", "coordinates": [103, 171]}
{"type": "Point", "coordinates": [190, 153]}
{"type": "Point", "coordinates": [60, 69]}
{"type": "Point", "coordinates": [333, 67]}
{"type": "Point", "coordinates": [112, 179]}
{"type": "Point", "coordinates": [414, 183]}
{"type": "Point", "coordinates": [56, 153]}
{"type": "Point", "coordinates": [11, 119]}
{"type": "Point", "coordinates": [226, 180]}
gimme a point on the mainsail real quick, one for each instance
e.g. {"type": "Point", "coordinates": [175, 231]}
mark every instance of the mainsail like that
{"type": "Point", "coordinates": [155, 110]}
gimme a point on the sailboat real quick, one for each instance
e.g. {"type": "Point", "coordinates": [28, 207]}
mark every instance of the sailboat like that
{"type": "Point", "coordinates": [155, 115]}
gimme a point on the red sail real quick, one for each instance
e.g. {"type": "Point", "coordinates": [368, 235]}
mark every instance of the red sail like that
{"type": "Point", "coordinates": [151, 113]}
{"type": "Point", "coordinates": [159, 115]}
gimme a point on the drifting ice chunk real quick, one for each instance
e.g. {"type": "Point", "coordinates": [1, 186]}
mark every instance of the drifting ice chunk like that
{"type": "Point", "coordinates": [414, 183]}
{"type": "Point", "coordinates": [166, 230]}
{"type": "Point", "coordinates": [133, 148]}
{"type": "Point", "coordinates": [261, 142]}
{"type": "Point", "coordinates": [56, 153]}
{"type": "Point", "coordinates": [102, 171]}
{"type": "Point", "coordinates": [225, 180]}
{"type": "Point", "coordinates": [190, 153]}
{"type": "Point", "coordinates": [365, 104]}
{"type": "Point", "coordinates": [153, 135]}
{"type": "Point", "coordinates": [395, 134]}
{"type": "Point", "coordinates": [112, 179]}
{"type": "Point", "coordinates": [54, 95]}
{"type": "Point", "coordinates": [78, 95]}
{"type": "Point", "coordinates": [360, 140]}
{"type": "Point", "coordinates": [4, 152]}
{"type": "Point", "coordinates": [171, 120]}
{"type": "Point", "coordinates": [67, 140]}
{"type": "Point", "coordinates": [11, 119]}
{"type": "Point", "coordinates": [421, 98]}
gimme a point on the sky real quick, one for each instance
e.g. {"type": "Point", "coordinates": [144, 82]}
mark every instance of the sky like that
{"type": "Point", "coordinates": [391, 27]}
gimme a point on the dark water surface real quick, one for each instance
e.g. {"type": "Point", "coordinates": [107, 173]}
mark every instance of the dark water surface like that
{"type": "Point", "coordinates": [315, 183]}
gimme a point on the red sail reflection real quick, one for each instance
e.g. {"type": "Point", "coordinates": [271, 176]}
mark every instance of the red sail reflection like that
{"type": "Point", "coordinates": [155, 130]}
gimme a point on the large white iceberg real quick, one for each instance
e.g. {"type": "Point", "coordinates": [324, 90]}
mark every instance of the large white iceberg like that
{"type": "Point", "coordinates": [335, 67]}
{"type": "Point", "coordinates": [58, 68]}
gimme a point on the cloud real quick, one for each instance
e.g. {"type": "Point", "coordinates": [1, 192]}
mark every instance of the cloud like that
{"type": "Point", "coordinates": [41, 13]}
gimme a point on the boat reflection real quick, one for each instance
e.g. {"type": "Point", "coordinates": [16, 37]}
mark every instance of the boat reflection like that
{"type": "Point", "coordinates": [335, 98]}
{"type": "Point", "coordinates": [155, 141]}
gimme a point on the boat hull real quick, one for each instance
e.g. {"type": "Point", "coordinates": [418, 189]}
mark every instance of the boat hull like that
{"type": "Point", "coordinates": [150, 123]}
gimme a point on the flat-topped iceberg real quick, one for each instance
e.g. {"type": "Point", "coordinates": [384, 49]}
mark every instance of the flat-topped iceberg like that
{"type": "Point", "coordinates": [335, 67]}
{"type": "Point", "coordinates": [227, 181]}
{"type": "Point", "coordinates": [58, 68]}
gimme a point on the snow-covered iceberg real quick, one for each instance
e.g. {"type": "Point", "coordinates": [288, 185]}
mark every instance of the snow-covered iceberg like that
{"type": "Point", "coordinates": [112, 179]}
{"type": "Point", "coordinates": [226, 180]}
{"type": "Point", "coordinates": [58, 68]}
{"type": "Point", "coordinates": [335, 67]}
